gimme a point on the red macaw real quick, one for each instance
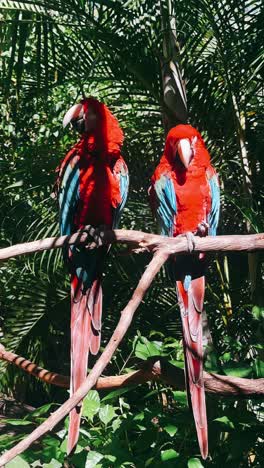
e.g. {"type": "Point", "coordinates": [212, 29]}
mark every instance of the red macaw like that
{"type": "Point", "coordinates": [185, 198]}
{"type": "Point", "coordinates": [93, 185]}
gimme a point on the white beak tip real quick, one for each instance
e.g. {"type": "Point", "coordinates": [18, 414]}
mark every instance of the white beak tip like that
{"type": "Point", "coordinates": [71, 114]}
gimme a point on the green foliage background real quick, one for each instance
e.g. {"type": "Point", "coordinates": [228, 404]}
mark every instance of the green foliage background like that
{"type": "Point", "coordinates": [52, 52]}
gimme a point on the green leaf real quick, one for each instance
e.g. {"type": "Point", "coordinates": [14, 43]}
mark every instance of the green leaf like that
{"type": "Point", "coordinates": [52, 464]}
{"type": "Point", "coordinates": [180, 397]}
{"type": "Point", "coordinates": [238, 371]}
{"type": "Point", "coordinates": [16, 422]}
{"type": "Point", "coordinates": [39, 411]}
{"type": "Point", "coordinates": [226, 357]}
{"type": "Point", "coordinates": [194, 463]}
{"type": "Point", "coordinates": [259, 368]}
{"type": "Point", "coordinates": [7, 441]}
{"type": "Point", "coordinates": [51, 449]}
{"type": "Point", "coordinates": [258, 312]}
{"type": "Point", "coordinates": [169, 455]}
{"type": "Point", "coordinates": [116, 424]}
{"type": "Point", "coordinates": [139, 416]}
{"type": "Point", "coordinates": [19, 183]}
{"type": "Point", "coordinates": [154, 392]}
{"type": "Point", "coordinates": [106, 414]}
{"type": "Point", "coordinates": [63, 447]}
{"type": "Point", "coordinates": [93, 458]}
{"type": "Point", "coordinates": [145, 348]}
{"type": "Point", "coordinates": [149, 462]}
{"type": "Point", "coordinates": [179, 364]}
{"type": "Point", "coordinates": [117, 393]}
{"type": "Point", "coordinates": [17, 462]}
{"type": "Point", "coordinates": [171, 429]}
{"type": "Point", "coordinates": [91, 404]}
{"type": "Point", "coordinates": [225, 421]}
{"type": "Point", "coordinates": [111, 458]}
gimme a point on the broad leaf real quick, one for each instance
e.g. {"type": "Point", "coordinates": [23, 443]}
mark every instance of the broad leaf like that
{"type": "Point", "coordinates": [225, 422]}
{"type": "Point", "coordinates": [106, 414]}
{"type": "Point", "coordinates": [91, 404]}
{"type": "Point", "coordinates": [169, 454]}
{"type": "Point", "coordinates": [180, 397]}
{"type": "Point", "coordinates": [171, 429]}
{"type": "Point", "coordinates": [93, 458]}
{"type": "Point", "coordinates": [194, 463]}
{"type": "Point", "coordinates": [17, 462]}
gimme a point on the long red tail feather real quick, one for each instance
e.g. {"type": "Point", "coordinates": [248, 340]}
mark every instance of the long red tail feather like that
{"type": "Point", "coordinates": [191, 305]}
{"type": "Point", "coordinates": [86, 313]}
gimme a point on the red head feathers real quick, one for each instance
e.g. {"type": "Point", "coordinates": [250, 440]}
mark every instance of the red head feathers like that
{"type": "Point", "coordinates": [186, 132]}
{"type": "Point", "coordinates": [100, 129]}
{"type": "Point", "coordinates": [106, 135]}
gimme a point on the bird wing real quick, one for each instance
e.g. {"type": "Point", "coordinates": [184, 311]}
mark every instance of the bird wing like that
{"type": "Point", "coordinates": [69, 192]}
{"type": "Point", "coordinates": [213, 215]}
{"type": "Point", "coordinates": [164, 204]}
{"type": "Point", "coordinates": [120, 173]}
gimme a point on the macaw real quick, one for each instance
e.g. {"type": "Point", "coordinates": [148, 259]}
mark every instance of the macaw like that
{"type": "Point", "coordinates": [92, 190]}
{"type": "Point", "coordinates": [185, 198]}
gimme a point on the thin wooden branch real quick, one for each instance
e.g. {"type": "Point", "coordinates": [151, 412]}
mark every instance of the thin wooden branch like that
{"type": "Point", "coordinates": [155, 368]}
{"type": "Point", "coordinates": [124, 322]}
{"type": "Point", "coordinates": [31, 368]}
{"type": "Point", "coordinates": [139, 241]}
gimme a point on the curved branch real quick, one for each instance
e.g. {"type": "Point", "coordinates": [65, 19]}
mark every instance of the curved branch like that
{"type": "Point", "coordinates": [155, 368]}
{"type": "Point", "coordinates": [124, 322]}
{"type": "Point", "coordinates": [138, 241]}
{"type": "Point", "coordinates": [43, 374]}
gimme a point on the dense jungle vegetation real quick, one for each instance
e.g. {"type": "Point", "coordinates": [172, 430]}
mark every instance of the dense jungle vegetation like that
{"type": "Point", "coordinates": [53, 52]}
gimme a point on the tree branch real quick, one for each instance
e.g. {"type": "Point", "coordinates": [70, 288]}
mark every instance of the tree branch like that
{"type": "Point", "coordinates": [162, 247]}
{"type": "Point", "coordinates": [33, 369]}
{"type": "Point", "coordinates": [139, 240]}
{"type": "Point", "coordinates": [127, 314]}
{"type": "Point", "coordinates": [155, 368]}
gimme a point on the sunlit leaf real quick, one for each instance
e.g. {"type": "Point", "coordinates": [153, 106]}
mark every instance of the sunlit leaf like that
{"type": "Point", "coordinates": [93, 458]}
{"type": "Point", "coordinates": [225, 422]}
{"type": "Point", "coordinates": [91, 404]}
{"type": "Point", "coordinates": [106, 413]}
{"type": "Point", "coordinates": [16, 422]}
{"type": "Point", "coordinates": [194, 463]}
{"type": "Point", "coordinates": [169, 454]}
{"type": "Point", "coordinates": [17, 462]}
{"type": "Point", "coordinates": [171, 429]}
{"type": "Point", "coordinates": [180, 397]}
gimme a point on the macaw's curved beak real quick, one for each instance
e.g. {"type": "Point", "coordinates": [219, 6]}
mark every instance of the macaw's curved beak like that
{"type": "Point", "coordinates": [185, 152]}
{"type": "Point", "coordinates": [75, 113]}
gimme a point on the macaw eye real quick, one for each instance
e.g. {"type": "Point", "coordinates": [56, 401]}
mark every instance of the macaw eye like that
{"type": "Point", "coordinates": [78, 124]}
{"type": "Point", "coordinates": [174, 148]}
{"type": "Point", "coordinates": [90, 119]}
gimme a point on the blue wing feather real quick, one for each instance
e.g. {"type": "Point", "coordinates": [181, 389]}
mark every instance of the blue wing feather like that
{"type": "Point", "coordinates": [85, 262]}
{"type": "Point", "coordinates": [167, 204]}
{"type": "Point", "coordinates": [69, 195]}
{"type": "Point", "coordinates": [123, 177]}
{"type": "Point", "coordinates": [215, 204]}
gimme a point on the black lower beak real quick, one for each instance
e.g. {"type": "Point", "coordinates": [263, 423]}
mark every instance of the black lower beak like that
{"type": "Point", "coordinates": [79, 124]}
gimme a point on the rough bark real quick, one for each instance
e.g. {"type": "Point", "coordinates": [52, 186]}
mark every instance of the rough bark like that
{"type": "Point", "coordinates": [138, 242]}
{"type": "Point", "coordinates": [155, 368]}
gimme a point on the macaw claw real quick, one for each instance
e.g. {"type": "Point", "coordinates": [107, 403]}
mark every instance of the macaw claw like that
{"type": "Point", "coordinates": [190, 241]}
{"type": "Point", "coordinates": [97, 234]}
{"type": "Point", "coordinates": [202, 229]}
